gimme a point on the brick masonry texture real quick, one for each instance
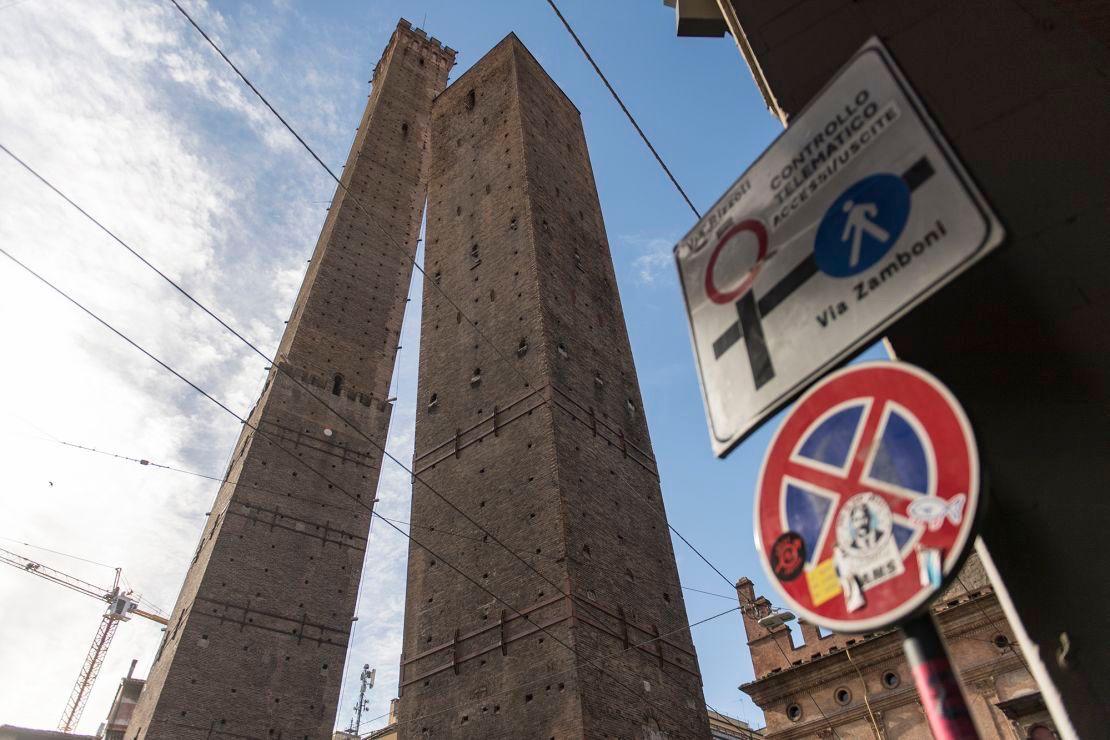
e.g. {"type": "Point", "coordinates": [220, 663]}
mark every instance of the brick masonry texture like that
{"type": "Point", "coordinates": [1021, 90]}
{"type": "Point", "coordinates": [256, 643]}
{"type": "Point", "coordinates": [542, 441]}
{"type": "Point", "coordinates": [857, 686]}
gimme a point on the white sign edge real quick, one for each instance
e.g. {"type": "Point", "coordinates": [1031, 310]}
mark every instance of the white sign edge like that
{"type": "Point", "coordinates": [995, 233]}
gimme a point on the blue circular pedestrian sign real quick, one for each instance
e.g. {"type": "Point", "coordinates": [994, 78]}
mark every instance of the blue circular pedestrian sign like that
{"type": "Point", "coordinates": [862, 225]}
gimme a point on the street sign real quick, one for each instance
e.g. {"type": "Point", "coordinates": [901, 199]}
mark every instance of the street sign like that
{"type": "Point", "coordinates": [867, 497]}
{"type": "Point", "coordinates": [853, 216]}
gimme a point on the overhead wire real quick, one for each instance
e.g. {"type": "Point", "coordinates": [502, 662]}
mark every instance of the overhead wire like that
{"type": "Point", "coordinates": [390, 238]}
{"type": "Point", "coordinates": [439, 530]}
{"type": "Point", "coordinates": [277, 365]}
{"type": "Point", "coordinates": [58, 552]}
{"type": "Point", "coordinates": [295, 380]}
{"type": "Point", "coordinates": [296, 458]}
{"type": "Point", "coordinates": [623, 107]}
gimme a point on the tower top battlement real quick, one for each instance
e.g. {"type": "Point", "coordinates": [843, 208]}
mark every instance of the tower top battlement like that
{"type": "Point", "coordinates": [406, 25]}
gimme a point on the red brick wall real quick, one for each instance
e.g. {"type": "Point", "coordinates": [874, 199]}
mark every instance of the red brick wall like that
{"type": "Point", "coordinates": [547, 449]}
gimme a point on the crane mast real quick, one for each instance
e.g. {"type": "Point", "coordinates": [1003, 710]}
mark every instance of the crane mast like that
{"type": "Point", "coordinates": [121, 605]}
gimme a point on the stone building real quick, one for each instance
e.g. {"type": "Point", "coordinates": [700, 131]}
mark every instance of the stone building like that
{"type": "Point", "coordinates": [538, 435]}
{"type": "Point", "coordinates": [257, 640]}
{"type": "Point", "coordinates": [1021, 91]}
{"type": "Point", "coordinates": [723, 727]}
{"type": "Point", "coordinates": [119, 716]}
{"type": "Point", "coordinates": [834, 685]}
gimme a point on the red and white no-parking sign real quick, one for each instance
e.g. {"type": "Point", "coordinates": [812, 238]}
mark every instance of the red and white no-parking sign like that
{"type": "Point", "coordinates": [867, 496]}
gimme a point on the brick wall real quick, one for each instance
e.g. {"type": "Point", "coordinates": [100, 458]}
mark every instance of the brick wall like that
{"type": "Point", "coordinates": [799, 667]}
{"type": "Point", "coordinates": [256, 643]}
{"type": "Point", "coordinates": [542, 441]}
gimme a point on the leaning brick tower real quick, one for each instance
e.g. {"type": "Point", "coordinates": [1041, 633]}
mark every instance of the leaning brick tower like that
{"type": "Point", "coordinates": [542, 441]}
{"type": "Point", "coordinates": [256, 643]}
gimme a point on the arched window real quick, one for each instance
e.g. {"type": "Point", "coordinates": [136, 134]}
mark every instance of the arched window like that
{"type": "Point", "coordinates": [337, 385]}
{"type": "Point", "coordinates": [470, 100]}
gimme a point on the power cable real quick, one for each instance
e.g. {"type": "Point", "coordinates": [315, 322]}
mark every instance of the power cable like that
{"type": "Point", "coordinates": [279, 368]}
{"type": "Point", "coordinates": [389, 237]}
{"type": "Point", "coordinates": [270, 360]}
{"type": "Point", "coordinates": [358, 203]}
{"type": "Point", "coordinates": [276, 443]}
{"type": "Point", "coordinates": [439, 530]}
{"type": "Point", "coordinates": [57, 552]}
{"type": "Point", "coordinates": [344, 188]}
{"type": "Point", "coordinates": [616, 97]}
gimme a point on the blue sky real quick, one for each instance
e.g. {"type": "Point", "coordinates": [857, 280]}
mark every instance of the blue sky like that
{"type": "Point", "coordinates": [126, 108]}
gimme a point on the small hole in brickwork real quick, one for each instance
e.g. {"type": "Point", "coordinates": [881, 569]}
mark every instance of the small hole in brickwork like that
{"type": "Point", "coordinates": [527, 697]}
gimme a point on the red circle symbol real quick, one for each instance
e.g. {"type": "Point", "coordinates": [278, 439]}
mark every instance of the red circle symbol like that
{"type": "Point", "coordinates": [760, 231]}
{"type": "Point", "coordinates": [876, 469]}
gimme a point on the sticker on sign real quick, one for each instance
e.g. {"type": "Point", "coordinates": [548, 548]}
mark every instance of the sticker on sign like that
{"type": "Point", "coordinates": [854, 215]}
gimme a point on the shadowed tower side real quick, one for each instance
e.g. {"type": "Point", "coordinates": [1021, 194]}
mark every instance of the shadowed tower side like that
{"type": "Point", "coordinates": [258, 636]}
{"type": "Point", "coordinates": [545, 446]}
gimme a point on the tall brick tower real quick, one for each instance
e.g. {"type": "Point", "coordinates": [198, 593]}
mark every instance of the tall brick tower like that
{"type": "Point", "coordinates": [256, 643]}
{"type": "Point", "coordinates": [545, 446]}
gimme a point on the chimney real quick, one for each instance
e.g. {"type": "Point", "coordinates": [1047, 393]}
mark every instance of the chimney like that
{"type": "Point", "coordinates": [134, 662]}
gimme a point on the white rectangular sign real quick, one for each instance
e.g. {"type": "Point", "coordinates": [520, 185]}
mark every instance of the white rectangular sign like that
{"type": "Point", "coordinates": [853, 216]}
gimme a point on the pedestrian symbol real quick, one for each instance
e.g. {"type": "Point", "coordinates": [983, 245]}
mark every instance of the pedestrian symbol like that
{"type": "Point", "coordinates": [861, 226]}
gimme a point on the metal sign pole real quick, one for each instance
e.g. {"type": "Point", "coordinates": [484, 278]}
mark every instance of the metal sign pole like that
{"type": "Point", "coordinates": [937, 685]}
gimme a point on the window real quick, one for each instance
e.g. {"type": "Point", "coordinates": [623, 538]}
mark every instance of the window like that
{"type": "Point", "coordinates": [794, 712]}
{"type": "Point", "coordinates": [842, 696]}
{"type": "Point", "coordinates": [522, 348]}
{"type": "Point", "coordinates": [433, 401]}
{"type": "Point", "coordinates": [891, 680]}
{"type": "Point", "coordinates": [337, 385]}
{"type": "Point", "coordinates": [474, 253]}
{"type": "Point", "coordinates": [404, 131]}
{"type": "Point", "coordinates": [476, 378]}
{"type": "Point", "coordinates": [470, 100]}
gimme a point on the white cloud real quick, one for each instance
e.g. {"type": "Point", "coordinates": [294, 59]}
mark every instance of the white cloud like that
{"type": "Point", "coordinates": [654, 256]}
{"type": "Point", "coordinates": [134, 117]}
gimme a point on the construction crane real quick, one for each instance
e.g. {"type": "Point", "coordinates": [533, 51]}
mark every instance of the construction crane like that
{"type": "Point", "coordinates": [121, 606]}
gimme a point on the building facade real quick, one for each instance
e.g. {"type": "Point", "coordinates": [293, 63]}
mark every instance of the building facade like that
{"type": "Point", "coordinates": [536, 432]}
{"type": "Point", "coordinates": [122, 710]}
{"type": "Point", "coordinates": [258, 636]}
{"type": "Point", "coordinates": [1021, 91]}
{"type": "Point", "coordinates": [859, 686]}
{"type": "Point", "coordinates": [723, 727]}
